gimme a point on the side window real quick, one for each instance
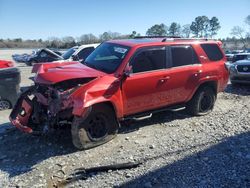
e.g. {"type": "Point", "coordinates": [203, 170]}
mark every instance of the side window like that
{"type": "Point", "coordinates": [183, 55]}
{"type": "Point", "coordinates": [84, 53]}
{"type": "Point", "coordinates": [43, 54]}
{"type": "Point", "coordinates": [149, 59]}
{"type": "Point", "coordinates": [213, 51]}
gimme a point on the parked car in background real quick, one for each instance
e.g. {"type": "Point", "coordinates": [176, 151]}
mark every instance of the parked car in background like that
{"type": "Point", "coordinates": [38, 56]}
{"type": "Point", "coordinates": [240, 72]}
{"type": "Point", "coordinates": [44, 55]}
{"type": "Point", "coordinates": [9, 84]}
{"type": "Point", "coordinates": [79, 53]}
{"type": "Point", "coordinates": [68, 53]}
{"type": "Point", "coordinates": [247, 50]}
{"type": "Point", "coordinates": [122, 79]}
{"type": "Point", "coordinates": [6, 64]}
{"type": "Point", "coordinates": [229, 56]}
{"type": "Point", "coordinates": [240, 56]}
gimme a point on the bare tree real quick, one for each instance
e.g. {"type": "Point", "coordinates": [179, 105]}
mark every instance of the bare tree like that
{"type": "Point", "coordinates": [88, 39]}
{"type": "Point", "coordinates": [239, 32]}
{"type": "Point", "coordinates": [186, 31]}
{"type": "Point", "coordinates": [68, 42]}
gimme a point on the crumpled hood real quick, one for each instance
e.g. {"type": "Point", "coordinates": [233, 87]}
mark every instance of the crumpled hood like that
{"type": "Point", "coordinates": [51, 73]}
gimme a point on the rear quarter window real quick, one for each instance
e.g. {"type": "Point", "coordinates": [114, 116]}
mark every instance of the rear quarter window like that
{"type": "Point", "coordinates": [213, 51]}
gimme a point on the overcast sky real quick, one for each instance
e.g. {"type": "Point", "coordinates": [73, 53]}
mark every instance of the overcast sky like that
{"type": "Point", "coordinates": [34, 19]}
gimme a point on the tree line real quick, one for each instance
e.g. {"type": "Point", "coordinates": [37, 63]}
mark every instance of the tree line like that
{"type": "Point", "coordinates": [201, 26]}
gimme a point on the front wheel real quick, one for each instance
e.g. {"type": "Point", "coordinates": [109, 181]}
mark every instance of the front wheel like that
{"type": "Point", "coordinates": [99, 127]}
{"type": "Point", "coordinates": [4, 104]}
{"type": "Point", "coordinates": [202, 102]}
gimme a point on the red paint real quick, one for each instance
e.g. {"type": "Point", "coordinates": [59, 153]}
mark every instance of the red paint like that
{"type": "Point", "coordinates": [6, 64]}
{"type": "Point", "coordinates": [138, 92]}
{"type": "Point", "coordinates": [50, 73]}
{"type": "Point", "coordinates": [21, 121]}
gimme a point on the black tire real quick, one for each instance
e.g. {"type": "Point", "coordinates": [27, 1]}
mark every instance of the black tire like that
{"type": "Point", "coordinates": [234, 83]}
{"type": "Point", "coordinates": [98, 127]}
{"type": "Point", "coordinates": [202, 102]}
{"type": "Point", "coordinates": [5, 104]}
{"type": "Point", "coordinates": [30, 63]}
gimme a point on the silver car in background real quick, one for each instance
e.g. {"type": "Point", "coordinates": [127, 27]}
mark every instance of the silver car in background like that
{"type": "Point", "coordinates": [240, 72]}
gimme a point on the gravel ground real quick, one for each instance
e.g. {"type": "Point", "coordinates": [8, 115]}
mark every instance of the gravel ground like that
{"type": "Point", "coordinates": [179, 150]}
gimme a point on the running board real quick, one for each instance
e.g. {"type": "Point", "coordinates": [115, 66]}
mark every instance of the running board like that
{"type": "Point", "coordinates": [142, 117]}
{"type": "Point", "coordinates": [148, 114]}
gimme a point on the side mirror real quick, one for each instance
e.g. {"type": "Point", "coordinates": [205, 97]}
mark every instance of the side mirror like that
{"type": "Point", "coordinates": [128, 70]}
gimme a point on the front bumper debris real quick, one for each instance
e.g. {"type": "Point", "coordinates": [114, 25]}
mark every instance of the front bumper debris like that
{"type": "Point", "coordinates": [19, 116]}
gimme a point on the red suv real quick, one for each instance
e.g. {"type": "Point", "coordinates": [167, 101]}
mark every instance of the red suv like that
{"type": "Point", "coordinates": [122, 79]}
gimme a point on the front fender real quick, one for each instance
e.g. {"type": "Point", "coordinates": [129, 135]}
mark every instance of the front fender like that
{"type": "Point", "coordinates": [87, 97]}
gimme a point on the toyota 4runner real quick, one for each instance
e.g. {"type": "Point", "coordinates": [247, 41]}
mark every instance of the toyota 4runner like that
{"type": "Point", "coordinates": [122, 79]}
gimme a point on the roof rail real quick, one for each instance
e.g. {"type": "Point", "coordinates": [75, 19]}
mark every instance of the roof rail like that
{"type": "Point", "coordinates": [171, 38]}
{"type": "Point", "coordinates": [151, 37]}
{"type": "Point", "coordinates": [205, 39]}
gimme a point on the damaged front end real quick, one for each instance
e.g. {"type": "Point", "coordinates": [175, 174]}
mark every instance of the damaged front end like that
{"type": "Point", "coordinates": [43, 108]}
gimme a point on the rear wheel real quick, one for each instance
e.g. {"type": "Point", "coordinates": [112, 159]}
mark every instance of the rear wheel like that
{"type": "Point", "coordinates": [99, 127]}
{"type": "Point", "coordinates": [202, 102]}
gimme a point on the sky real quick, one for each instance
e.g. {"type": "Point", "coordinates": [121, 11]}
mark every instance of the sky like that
{"type": "Point", "coordinates": [35, 19]}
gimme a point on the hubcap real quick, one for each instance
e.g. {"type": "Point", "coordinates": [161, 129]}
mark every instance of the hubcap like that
{"type": "Point", "coordinates": [4, 105]}
{"type": "Point", "coordinates": [206, 103]}
{"type": "Point", "coordinates": [97, 127]}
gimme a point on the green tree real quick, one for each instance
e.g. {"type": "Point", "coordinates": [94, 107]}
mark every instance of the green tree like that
{"type": "Point", "coordinates": [157, 30]}
{"type": "Point", "coordinates": [200, 26]}
{"type": "Point", "coordinates": [214, 26]}
{"type": "Point", "coordinates": [134, 34]}
{"type": "Point", "coordinates": [174, 29]}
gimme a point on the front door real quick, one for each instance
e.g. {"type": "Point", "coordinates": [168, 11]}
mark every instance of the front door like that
{"type": "Point", "coordinates": [143, 89]}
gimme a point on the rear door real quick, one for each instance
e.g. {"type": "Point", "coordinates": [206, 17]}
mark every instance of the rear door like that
{"type": "Point", "coordinates": [184, 73]}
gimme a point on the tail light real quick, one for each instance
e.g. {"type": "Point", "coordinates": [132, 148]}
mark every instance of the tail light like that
{"type": "Point", "coordinates": [10, 63]}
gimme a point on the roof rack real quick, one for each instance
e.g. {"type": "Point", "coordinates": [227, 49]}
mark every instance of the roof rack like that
{"type": "Point", "coordinates": [171, 38]}
{"type": "Point", "coordinates": [151, 37]}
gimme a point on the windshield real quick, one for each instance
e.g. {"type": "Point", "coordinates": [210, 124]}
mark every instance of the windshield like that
{"type": "Point", "coordinates": [68, 53]}
{"type": "Point", "coordinates": [107, 57]}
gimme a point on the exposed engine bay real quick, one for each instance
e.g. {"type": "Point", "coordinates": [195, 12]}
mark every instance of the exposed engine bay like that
{"type": "Point", "coordinates": [43, 108]}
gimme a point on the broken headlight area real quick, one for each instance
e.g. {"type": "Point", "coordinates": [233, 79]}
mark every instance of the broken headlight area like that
{"type": "Point", "coordinates": [44, 108]}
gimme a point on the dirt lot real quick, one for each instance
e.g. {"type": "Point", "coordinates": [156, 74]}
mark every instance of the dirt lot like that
{"type": "Point", "coordinates": [179, 150]}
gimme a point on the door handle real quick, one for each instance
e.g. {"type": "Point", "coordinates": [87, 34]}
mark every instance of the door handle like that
{"type": "Point", "coordinates": [164, 79]}
{"type": "Point", "coordinates": [197, 72]}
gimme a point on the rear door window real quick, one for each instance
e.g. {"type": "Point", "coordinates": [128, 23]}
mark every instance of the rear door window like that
{"type": "Point", "coordinates": [213, 52]}
{"type": "Point", "coordinates": [183, 55]}
{"type": "Point", "coordinates": [149, 59]}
